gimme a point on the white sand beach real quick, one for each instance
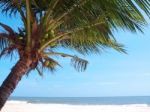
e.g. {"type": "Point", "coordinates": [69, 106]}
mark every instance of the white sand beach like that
{"type": "Point", "coordinates": [17, 106]}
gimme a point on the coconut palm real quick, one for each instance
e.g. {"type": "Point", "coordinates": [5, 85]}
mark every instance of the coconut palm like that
{"type": "Point", "coordinates": [85, 26]}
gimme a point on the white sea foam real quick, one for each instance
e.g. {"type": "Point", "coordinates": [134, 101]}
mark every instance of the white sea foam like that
{"type": "Point", "coordinates": [23, 106]}
{"type": "Point", "coordinates": [17, 102]}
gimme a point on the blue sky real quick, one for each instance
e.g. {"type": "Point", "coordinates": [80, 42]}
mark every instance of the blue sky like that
{"type": "Point", "coordinates": [108, 74]}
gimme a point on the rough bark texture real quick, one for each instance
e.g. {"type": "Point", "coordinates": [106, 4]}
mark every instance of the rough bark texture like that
{"type": "Point", "coordinates": [10, 83]}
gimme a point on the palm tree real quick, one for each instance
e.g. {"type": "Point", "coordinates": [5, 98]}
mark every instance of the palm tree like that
{"type": "Point", "coordinates": [85, 26]}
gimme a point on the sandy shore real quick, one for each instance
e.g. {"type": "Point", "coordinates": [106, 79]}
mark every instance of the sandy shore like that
{"type": "Point", "coordinates": [16, 106]}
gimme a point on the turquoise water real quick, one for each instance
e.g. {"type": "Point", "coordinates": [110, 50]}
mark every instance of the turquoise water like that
{"type": "Point", "coordinates": [86, 100]}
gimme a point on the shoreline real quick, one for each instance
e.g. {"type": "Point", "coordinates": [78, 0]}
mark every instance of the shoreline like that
{"type": "Point", "coordinates": [23, 106]}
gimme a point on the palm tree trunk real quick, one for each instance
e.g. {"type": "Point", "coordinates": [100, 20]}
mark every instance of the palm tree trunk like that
{"type": "Point", "coordinates": [10, 83]}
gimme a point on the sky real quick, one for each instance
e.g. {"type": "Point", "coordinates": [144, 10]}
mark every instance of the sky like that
{"type": "Point", "coordinates": [108, 74]}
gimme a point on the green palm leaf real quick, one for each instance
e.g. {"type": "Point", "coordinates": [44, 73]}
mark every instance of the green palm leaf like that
{"type": "Point", "coordinates": [83, 25]}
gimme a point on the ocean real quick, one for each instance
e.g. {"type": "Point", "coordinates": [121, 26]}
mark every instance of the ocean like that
{"type": "Point", "coordinates": [126, 100]}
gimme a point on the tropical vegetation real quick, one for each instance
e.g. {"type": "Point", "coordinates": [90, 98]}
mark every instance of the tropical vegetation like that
{"type": "Point", "coordinates": [84, 26]}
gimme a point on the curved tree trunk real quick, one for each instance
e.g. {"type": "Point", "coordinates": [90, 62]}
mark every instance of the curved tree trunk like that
{"type": "Point", "coordinates": [10, 83]}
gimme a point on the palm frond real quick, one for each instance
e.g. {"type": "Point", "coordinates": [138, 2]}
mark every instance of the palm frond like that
{"type": "Point", "coordinates": [90, 39]}
{"type": "Point", "coordinates": [78, 63]}
{"type": "Point", "coordinates": [50, 64]}
{"type": "Point", "coordinates": [7, 28]}
{"type": "Point", "coordinates": [144, 5]}
{"type": "Point", "coordinates": [39, 71]}
{"type": "Point", "coordinates": [4, 43]}
{"type": "Point", "coordinates": [99, 16]}
{"type": "Point", "coordinates": [117, 11]}
{"type": "Point", "coordinates": [10, 6]}
{"type": "Point", "coordinates": [8, 52]}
